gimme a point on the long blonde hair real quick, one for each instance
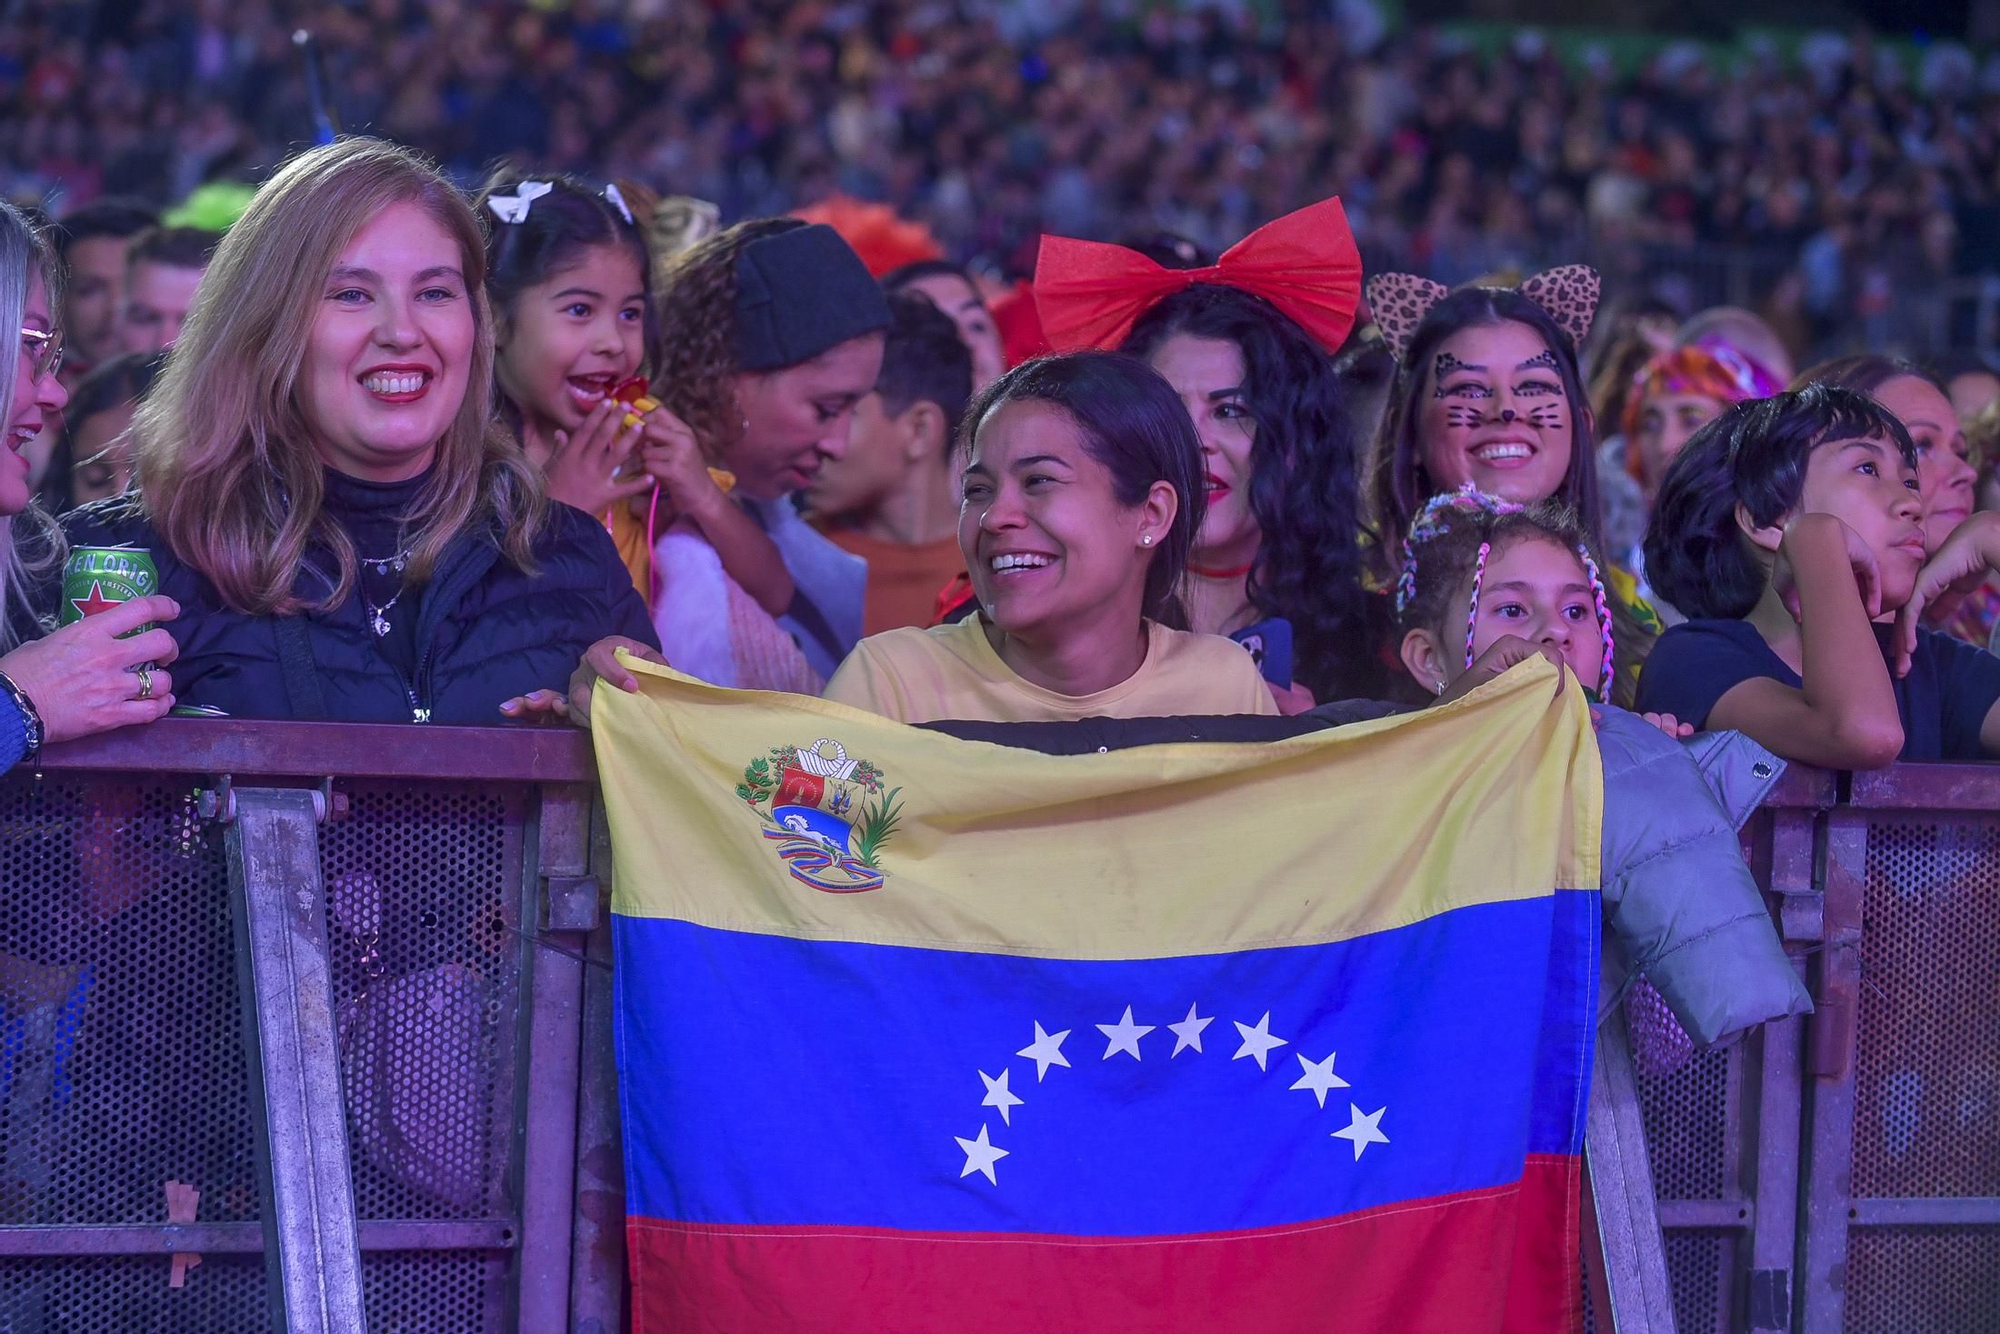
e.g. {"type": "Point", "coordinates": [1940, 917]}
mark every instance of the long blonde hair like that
{"type": "Point", "coordinates": [226, 467]}
{"type": "Point", "coordinates": [28, 540]}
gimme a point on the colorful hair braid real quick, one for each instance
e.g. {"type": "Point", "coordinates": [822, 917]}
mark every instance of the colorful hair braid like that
{"type": "Point", "coordinates": [1603, 619]}
{"type": "Point", "coordinates": [1472, 612]}
{"type": "Point", "coordinates": [1484, 517]}
{"type": "Point", "coordinates": [1434, 520]}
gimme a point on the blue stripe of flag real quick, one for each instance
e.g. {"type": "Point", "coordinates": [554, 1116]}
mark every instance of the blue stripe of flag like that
{"type": "Point", "coordinates": [769, 1080]}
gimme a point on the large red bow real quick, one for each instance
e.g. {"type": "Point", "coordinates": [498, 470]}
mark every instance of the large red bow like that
{"type": "Point", "coordinates": [1305, 263]}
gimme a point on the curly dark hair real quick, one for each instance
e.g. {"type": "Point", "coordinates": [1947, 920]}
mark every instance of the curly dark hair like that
{"type": "Point", "coordinates": [697, 351]}
{"type": "Point", "coordinates": [1302, 479]}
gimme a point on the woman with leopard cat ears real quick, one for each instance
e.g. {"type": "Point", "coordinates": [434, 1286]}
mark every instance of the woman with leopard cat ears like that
{"type": "Point", "coordinates": [1488, 394]}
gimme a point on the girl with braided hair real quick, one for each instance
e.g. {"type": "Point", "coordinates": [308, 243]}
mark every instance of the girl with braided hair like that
{"type": "Point", "coordinates": [1486, 583]}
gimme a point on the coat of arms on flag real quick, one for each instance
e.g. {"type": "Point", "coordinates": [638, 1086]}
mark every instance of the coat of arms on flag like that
{"type": "Point", "coordinates": [829, 815]}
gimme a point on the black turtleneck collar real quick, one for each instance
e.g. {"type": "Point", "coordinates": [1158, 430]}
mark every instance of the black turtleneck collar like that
{"type": "Point", "coordinates": [355, 498]}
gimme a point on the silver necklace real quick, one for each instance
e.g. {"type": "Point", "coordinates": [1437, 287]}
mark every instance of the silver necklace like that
{"type": "Point", "coordinates": [378, 617]}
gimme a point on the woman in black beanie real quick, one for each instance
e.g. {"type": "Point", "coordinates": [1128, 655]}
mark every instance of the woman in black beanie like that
{"type": "Point", "coordinates": [770, 332]}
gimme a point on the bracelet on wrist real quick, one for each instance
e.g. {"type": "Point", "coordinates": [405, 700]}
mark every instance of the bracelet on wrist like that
{"type": "Point", "coordinates": [31, 718]}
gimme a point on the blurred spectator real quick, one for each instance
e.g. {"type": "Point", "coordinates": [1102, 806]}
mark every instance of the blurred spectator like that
{"type": "Point", "coordinates": [1759, 351]}
{"type": "Point", "coordinates": [1971, 381]}
{"type": "Point", "coordinates": [1982, 435]}
{"type": "Point", "coordinates": [93, 454]}
{"type": "Point", "coordinates": [892, 498]}
{"type": "Point", "coordinates": [951, 290]}
{"type": "Point", "coordinates": [1672, 396]}
{"type": "Point", "coordinates": [92, 243]}
{"type": "Point", "coordinates": [162, 270]}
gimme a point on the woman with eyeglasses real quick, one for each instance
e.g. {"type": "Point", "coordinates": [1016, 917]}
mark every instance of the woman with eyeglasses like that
{"type": "Point", "coordinates": [82, 678]}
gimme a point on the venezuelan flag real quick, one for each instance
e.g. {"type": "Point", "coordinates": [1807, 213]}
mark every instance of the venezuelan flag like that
{"type": "Point", "coordinates": [925, 1034]}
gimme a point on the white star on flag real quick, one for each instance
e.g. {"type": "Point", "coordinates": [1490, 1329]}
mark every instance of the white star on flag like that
{"type": "Point", "coordinates": [1319, 1077]}
{"type": "Point", "coordinates": [997, 1095]}
{"type": "Point", "coordinates": [980, 1156]}
{"type": "Point", "coordinates": [1045, 1051]}
{"type": "Point", "coordinates": [1124, 1035]}
{"type": "Point", "coordinates": [1257, 1041]}
{"type": "Point", "coordinates": [1187, 1033]}
{"type": "Point", "coordinates": [1361, 1130]}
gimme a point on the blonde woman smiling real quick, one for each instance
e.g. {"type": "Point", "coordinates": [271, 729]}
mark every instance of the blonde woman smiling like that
{"type": "Point", "coordinates": [321, 480]}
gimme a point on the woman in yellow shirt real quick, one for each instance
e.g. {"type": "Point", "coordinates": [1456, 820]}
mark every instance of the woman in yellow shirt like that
{"type": "Point", "coordinates": [1082, 493]}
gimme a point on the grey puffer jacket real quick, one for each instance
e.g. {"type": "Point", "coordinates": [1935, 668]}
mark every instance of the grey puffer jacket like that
{"type": "Point", "coordinates": [1680, 906]}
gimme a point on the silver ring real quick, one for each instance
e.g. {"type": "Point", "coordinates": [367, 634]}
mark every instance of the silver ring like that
{"type": "Point", "coordinates": [145, 681]}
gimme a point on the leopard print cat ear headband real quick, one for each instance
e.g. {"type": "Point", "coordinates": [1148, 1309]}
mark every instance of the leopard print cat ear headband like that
{"type": "Point", "coordinates": [1401, 300]}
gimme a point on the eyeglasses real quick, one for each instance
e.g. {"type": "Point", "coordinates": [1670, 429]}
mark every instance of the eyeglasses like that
{"type": "Point", "coordinates": [45, 351]}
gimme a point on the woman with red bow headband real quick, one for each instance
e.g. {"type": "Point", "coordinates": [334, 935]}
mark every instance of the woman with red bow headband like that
{"type": "Point", "coordinates": [1247, 343]}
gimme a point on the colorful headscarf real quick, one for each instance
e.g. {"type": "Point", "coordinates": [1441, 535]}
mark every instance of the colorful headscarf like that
{"type": "Point", "coordinates": [1684, 370]}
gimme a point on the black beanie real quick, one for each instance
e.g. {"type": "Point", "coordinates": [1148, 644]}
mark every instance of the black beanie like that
{"type": "Point", "coordinates": [799, 293]}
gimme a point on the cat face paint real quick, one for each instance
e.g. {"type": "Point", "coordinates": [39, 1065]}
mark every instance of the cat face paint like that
{"type": "Point", "coordinates": [1509, 432]}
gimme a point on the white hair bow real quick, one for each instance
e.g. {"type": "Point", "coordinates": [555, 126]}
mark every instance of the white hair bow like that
{"type": "Point", "coordinates": [513, 209]}
{"type": "Point", "coordinates": [612, 193]}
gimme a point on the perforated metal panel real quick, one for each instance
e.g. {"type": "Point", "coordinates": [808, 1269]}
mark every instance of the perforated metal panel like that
{"type": "Point", "coordinates": [121, 1063]}
{"type": "Point", "coordinates": [431, 1292]}
{"type": "Point", "coordinates": [425, 937]}
{"type": "Point", "coordinates": [1926, 1280]}
{"type": "Point", "coordinates": [224, 1294]}
{"type": "Point", "coordinates": [1927, 1087]}
{"type": "Point", "coordinates": [1688, 1117]}
{"type": "Point", "coordinates": [1698, 1264]}
{"type": "Point", "coordinates": [122, 1060]}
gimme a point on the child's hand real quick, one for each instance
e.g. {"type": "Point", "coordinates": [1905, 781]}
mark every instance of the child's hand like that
{"type": "Point", "coordinates": [1960, 566]}
{"type": "Point", "coordinates": [585, 470]}
{"type": "Point", "coordinates": [1669, 724]}
{"type": "Point", "coordinates": [1821, 539]}
{"type": "Point", "coordinates": [672, 457]}
{"type": "Point", "coordinates": [1504, 652]}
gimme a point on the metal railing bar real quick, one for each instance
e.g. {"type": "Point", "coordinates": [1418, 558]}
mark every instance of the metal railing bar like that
{"type": "Point", "coordinates": [1929, 787]}
{"type": "Point", "coordinates": [1705, 1215]}
{"type": "Point", "coordinates": [1942, 1211]}
{"type": "Point", "coordinates": [477, 1234]}
{"type": "Point", "coordinates": [249, 748]}
{"type": "Point", "coordinates": [312, 1250]}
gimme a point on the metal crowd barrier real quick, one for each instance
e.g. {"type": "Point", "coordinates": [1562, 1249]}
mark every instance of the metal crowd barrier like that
{"type": "Point", "coordinates": [1840, 1172]}
{"type": "Point", "coordinates": [406, 1118]}
{"type": "Point", "coordinates": [413, 1119]}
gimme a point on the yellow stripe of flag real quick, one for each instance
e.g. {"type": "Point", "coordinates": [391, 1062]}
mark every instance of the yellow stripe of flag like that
{"type": "Point", "coordinates": [791, 816]}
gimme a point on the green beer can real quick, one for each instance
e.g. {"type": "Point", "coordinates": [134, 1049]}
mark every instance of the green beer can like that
{"type": "Point", "coordinates": [97, 579]}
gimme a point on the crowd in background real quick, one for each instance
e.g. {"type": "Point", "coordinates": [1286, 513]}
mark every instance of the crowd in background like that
{"type": "Point", "coordinates": [1814, 184]}
{"type": "Point", "coordinates": [451, 423]}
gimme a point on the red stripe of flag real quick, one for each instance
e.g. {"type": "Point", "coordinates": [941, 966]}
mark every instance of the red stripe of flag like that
{"type": "Point", "coordinates": [1444, 1263]}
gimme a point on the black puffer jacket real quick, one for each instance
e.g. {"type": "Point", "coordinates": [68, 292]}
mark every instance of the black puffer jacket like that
{"type": "Point", "coordinates": [485, 632]}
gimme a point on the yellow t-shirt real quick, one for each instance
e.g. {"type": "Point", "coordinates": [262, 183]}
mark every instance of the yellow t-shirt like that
{"type": "Point", "coordinates": [952, 671]}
